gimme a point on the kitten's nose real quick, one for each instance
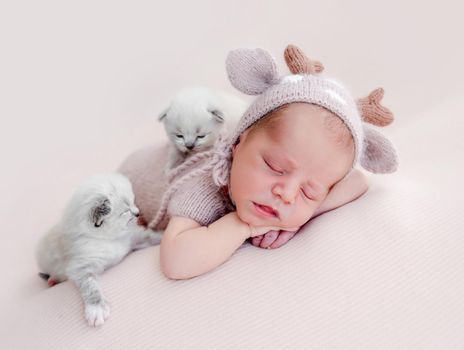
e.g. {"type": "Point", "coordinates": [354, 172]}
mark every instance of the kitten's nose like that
{"type": "Point", "coordinates": [190, 147]}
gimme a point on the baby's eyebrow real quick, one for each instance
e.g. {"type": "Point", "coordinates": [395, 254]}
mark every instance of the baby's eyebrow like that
{"type": "Point", "coordinates": [289, 161]}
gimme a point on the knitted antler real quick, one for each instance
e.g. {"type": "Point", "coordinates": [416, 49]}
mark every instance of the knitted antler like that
{"type": "Point", "coordinates": [372, 111]}
{"type": "Point", "coordinates": [299, 63]}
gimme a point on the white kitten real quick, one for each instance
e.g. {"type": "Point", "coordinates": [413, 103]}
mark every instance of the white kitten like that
{"type": "Point", "coordinates": [97, 230]}
{"type": "Point", "coordinates": [194, 119]}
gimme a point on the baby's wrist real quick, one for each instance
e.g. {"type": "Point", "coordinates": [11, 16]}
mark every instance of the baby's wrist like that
{"type": "Point", "coordinates": [251, 232]}
{"type": "Point", "coordinates": [247, 230]}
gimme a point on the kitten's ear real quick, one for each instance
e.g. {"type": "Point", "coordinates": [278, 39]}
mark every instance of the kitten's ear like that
{"type": "Point", "coordinates": [217, 114]}
{"type": "Point", "coordinates": [163, 114]}
{"type": "Point", "coordinates": [100, 210]}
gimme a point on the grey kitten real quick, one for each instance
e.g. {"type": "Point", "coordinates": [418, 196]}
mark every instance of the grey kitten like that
{"type": "Point", "coordinates": [97, 230]}
{"type": "Point", "coordinates": [194, 119]}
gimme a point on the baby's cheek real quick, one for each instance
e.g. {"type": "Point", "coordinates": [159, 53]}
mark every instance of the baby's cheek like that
{"type": "Point", "coordinates": [304, 214]}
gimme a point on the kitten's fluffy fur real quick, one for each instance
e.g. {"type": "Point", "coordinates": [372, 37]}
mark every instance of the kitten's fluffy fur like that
{"type": "Point", "coordinates": [98, 228]}
{"type": "Point", "coordinates": [194, 119]}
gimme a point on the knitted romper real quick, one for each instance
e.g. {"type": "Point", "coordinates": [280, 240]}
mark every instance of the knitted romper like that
{"type": "Point", "coordinates": [198, 198]}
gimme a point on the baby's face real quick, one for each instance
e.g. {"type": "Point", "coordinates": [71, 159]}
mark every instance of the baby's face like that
{"type": "Point", "coordinates": [290, 170]}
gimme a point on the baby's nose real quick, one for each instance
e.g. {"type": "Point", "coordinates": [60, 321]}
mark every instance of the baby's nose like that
{"type": "Point", "coordinates": [287, 194]}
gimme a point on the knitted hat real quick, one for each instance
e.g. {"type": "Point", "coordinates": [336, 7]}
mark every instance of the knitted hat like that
{"type": "Point", "coordinates": [254, 72]}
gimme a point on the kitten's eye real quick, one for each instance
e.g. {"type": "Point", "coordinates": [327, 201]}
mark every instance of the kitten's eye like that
{"type": "Point", "coordinates": [179, 136]}
{"type": "Point", "coordinates": [200, 136]}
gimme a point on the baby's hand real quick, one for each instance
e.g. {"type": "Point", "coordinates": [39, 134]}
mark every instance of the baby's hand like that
{"type": "Point", "coordinates": [261, 230]}
{"type": "Point", "coordinates": [273, 239]}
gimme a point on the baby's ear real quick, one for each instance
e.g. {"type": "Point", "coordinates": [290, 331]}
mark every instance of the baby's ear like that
{"type": "Point", "coordinates": [163, 114]}
{"type": "Point", "coordinates": [379, 155]}
{"type": "Point", "coordinates": [100, 210]}
{"type": "Point", "coordinates": [251, 71]}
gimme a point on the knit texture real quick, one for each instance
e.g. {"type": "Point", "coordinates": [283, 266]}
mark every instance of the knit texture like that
{"type": "Point", "coordinates": [198, 188]}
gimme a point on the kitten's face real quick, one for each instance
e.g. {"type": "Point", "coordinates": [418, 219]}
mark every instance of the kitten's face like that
{"type": "Point", "coordinates": [112, 203]}
{"type": "Point", "coordinates": [193, 133]}
{"type": "Point", "coordinates": [123, 209]}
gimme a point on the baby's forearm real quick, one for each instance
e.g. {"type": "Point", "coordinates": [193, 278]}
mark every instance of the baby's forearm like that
{"type": "Point", "coordinates": [347, 190]}
{"type": "Point", "coordinates": [201, 249]}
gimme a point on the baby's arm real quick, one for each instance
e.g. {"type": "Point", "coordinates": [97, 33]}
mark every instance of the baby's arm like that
{"type": "Point", "coordinates": [189, 249]}
{"type": "Point", "coordinates": [347, 190]}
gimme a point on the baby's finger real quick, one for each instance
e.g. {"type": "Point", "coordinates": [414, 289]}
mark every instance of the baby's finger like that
{"type": "Point", "coordinates": [269, 238]}
{"type": "Point", "coordinates": [293, 229]}
{"type": "Point", "coordinates": [283, 238]}
{"type": "Point", "coordinates": [256, 240]}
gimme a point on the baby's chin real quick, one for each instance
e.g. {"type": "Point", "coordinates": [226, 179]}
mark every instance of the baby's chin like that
{"type": "Point", "coordinates": [246, 215]}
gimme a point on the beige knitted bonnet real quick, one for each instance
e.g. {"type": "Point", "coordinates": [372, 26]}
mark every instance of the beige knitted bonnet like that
{"type": "Point", "coordinates": [254, 72]}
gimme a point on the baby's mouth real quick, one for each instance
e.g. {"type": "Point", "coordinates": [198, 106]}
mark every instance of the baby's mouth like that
{"type": "Point", "coordinates": [267, 209]}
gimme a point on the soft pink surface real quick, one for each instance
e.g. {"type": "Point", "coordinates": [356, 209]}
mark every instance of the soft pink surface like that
{"type": "Point", "coordinates": [80, 89]}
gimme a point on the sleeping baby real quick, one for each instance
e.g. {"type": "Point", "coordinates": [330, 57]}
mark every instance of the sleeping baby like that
{"type": "Point", "coordinates": [291, 158]}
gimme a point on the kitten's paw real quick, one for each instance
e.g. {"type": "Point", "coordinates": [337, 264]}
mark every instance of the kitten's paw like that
{"type": "Point", "coordinates": [155, 237]}
{"type": "Point", "coordinates": [51, 282]}
{"type": "Point", "coordinates": [96, 314]}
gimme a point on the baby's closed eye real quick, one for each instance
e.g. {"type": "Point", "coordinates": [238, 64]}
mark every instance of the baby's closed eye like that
{"type": "Point", "coordinates": [309, 196]}
{"type": "Point", "coordinates": [273, 167]}
{"type": "Point", "coordinates": [306, 192]}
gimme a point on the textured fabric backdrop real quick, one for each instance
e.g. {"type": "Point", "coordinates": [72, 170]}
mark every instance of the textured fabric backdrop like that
{"type": "Point", "coordinates": [81, 86]}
